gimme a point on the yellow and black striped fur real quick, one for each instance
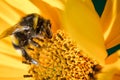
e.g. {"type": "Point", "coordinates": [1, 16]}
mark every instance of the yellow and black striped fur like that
{"type": "Point", "coordinates": [29, 27]}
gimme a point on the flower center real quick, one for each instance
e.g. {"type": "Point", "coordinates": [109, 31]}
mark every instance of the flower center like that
{"type": "Point", "coordinates": [59, 58]}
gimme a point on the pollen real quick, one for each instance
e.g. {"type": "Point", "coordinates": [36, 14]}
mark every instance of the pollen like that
{"type": "Point", "coordinates": [59, 58]}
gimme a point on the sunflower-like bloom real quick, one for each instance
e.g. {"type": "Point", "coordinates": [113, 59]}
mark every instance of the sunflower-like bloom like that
{"type": "Point", "coordinates": [92, 34]}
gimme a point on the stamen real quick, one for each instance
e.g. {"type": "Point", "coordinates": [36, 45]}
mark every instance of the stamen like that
{"type": "Point", "coordinates": [27, 76]}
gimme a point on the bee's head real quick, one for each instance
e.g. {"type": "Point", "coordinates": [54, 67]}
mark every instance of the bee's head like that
{"type": "Point", "coordinates": [38, 24]}
{"type": "Point", "coordinates": [46, 28]}
{"type": "Point", "coordinates": [43, 27]}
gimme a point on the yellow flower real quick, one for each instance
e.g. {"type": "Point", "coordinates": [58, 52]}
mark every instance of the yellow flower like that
{"type": "Point", "coordinates": [93, 34]}
{"type": "Point", "coordinates": [79, 19]}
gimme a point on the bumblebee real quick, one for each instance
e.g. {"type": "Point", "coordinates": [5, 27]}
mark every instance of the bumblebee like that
{"type": "Point", "coordinates": [29, 27]}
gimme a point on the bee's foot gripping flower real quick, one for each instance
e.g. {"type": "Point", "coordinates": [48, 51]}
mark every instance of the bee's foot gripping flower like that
{"type": "Point", "coordinates": [60, 59]}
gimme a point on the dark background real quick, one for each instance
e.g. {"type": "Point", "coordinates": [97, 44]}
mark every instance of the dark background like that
{"type": "Point", "coordinates": [99, 6]}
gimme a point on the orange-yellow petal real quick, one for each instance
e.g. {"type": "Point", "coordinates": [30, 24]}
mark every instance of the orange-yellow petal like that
{"type": "Point", "coordinates": [113, 57]}
{"type": "Point", "coordinates": [116, 76]}
{"type": "Point", "coordinates": [84, 27]}
{"type": "Point", "coordinates": [55, 3]}
{"type": "Point", "coordinates": [110, 23]}
{"type": "Point", "coordinates": [110, 72]}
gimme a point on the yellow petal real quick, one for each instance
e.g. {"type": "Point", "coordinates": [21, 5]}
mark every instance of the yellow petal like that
{"type": "Point", "coordinates": [84, 27]}
{"type": "Point", "coordinates": [11, 72]}
{"type": "Point", "coordinates": [49, 12]}
{"type": "Point", "coordinates": [13, 78]}
{"type": "Point", "coordinates": [3, 24]}
{"type": "Point", "coordinates": [25, 6]}
{"type": "Point", "coordinates": [110, 23]}
{"type": "Point", "coordinates": [8, 14]}
{"type": "Point", "coordinates": [11, 61]}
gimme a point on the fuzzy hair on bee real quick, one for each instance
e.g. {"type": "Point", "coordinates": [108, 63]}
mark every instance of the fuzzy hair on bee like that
{"type": "Point", "coordinates": [29, 27]}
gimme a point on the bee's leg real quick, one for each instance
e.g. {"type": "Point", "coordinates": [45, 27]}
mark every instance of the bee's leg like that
{"type": "Point", "coordinates": [27, 57]}
{"type": "Point", "coordinates": [34, 43]}
{"type": "Point", "coordinates": [24, 54]}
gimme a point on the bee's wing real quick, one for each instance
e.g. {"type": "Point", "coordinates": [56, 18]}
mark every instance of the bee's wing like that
{"type": "Point", "coordinates": [8, 31]}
